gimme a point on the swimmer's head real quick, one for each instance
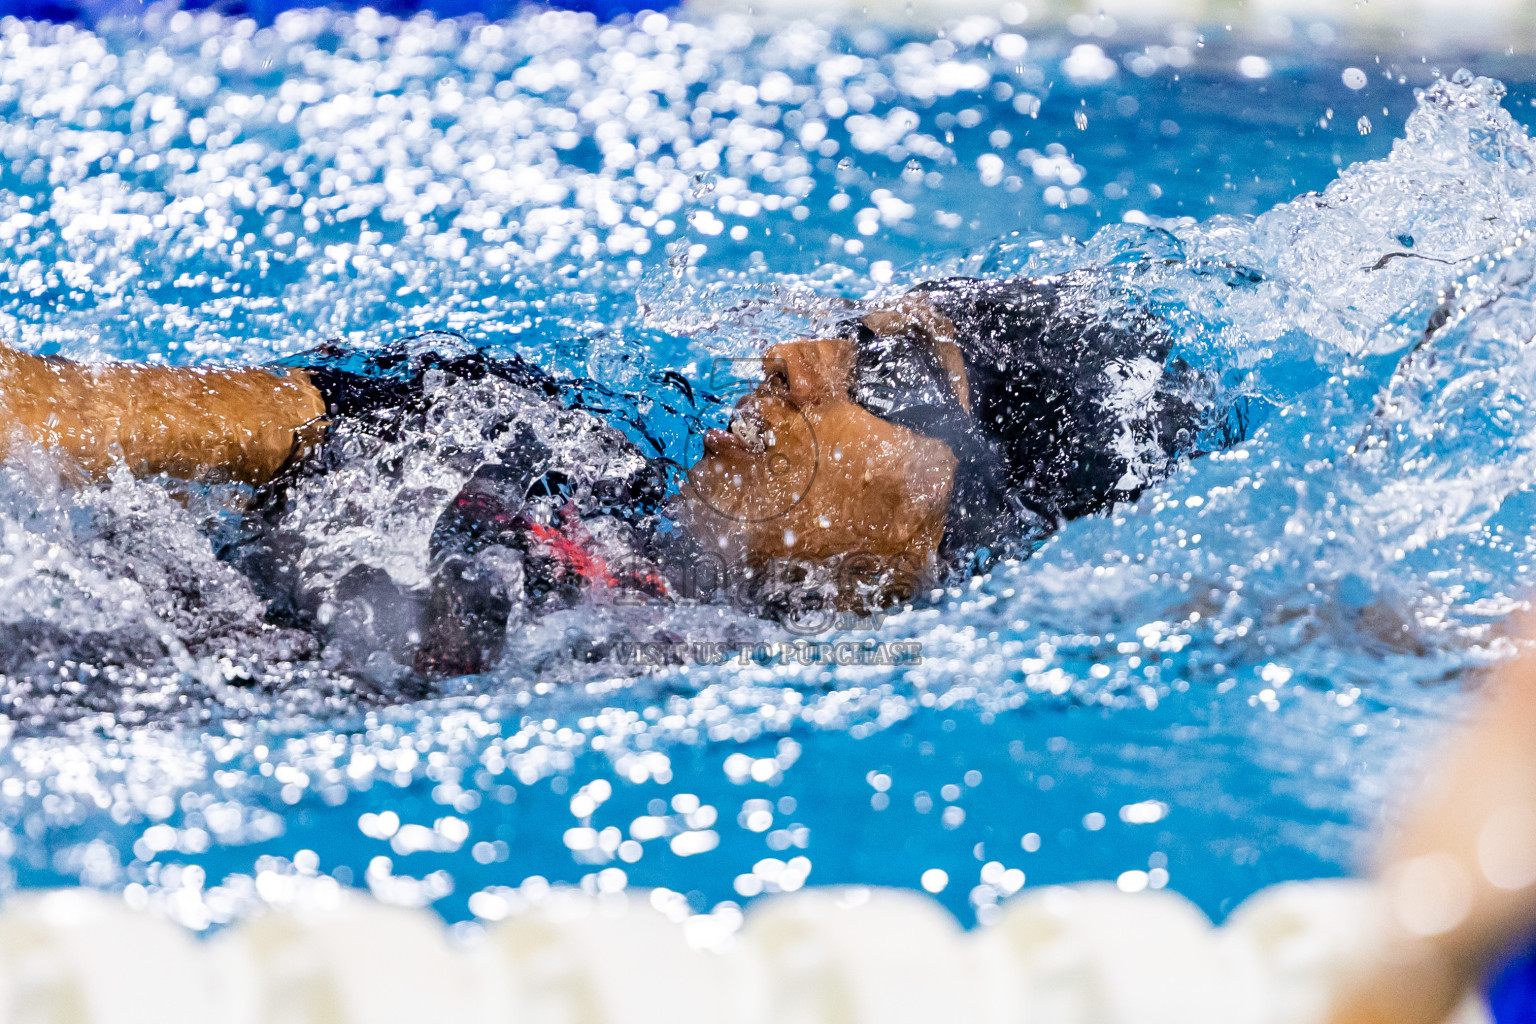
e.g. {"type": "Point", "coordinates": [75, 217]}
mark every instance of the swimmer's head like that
{"type": "Point", "coordinates": [806, 473]}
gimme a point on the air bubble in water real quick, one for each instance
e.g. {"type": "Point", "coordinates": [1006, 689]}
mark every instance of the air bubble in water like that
{"type": "Point", "coordinates": [1082, 120]}
{"type": "Point", "coordinates": [1354, 78]}
{"type": "Point", "coordinates": [1364, 124]}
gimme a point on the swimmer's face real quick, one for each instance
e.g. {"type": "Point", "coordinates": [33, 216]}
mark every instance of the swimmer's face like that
{"type": "Point", "coordinates": [805, 472]}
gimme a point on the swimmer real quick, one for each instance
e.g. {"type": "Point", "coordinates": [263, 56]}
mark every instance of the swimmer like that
{"type": "Point", "coordinates": [954, 425]}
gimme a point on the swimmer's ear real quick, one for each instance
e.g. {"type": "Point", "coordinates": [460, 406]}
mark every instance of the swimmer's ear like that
{"type": "Point", "coordinates": [912, 314]}
{"type": "Point", "coordinates": [813, 371]}
{"type": "Point", "coordinates": [915, 316]}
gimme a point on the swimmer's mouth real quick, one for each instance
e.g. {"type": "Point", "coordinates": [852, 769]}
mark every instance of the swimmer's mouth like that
{"type": "Point", "coordinates": [746, 434]}
{"type": "Point", "coordinates": [748, 426]}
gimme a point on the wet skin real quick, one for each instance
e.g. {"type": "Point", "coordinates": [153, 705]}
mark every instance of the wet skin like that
{"type": "Point", "coordinates": [195, 424]}
{"type": "Point", "coordinates": [1457, 875]}
{"type": "Point", "coordinates": [806, 473]}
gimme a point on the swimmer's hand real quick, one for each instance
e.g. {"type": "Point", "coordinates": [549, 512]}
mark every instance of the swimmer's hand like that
{"type": "Point", "coordinates": [196, 424]}
{"type": "Point", "coordinates": [1459, 876]}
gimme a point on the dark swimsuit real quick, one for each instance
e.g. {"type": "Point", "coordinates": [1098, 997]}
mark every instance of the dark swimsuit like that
{"type": "Point", "coordinates": [518, 504]}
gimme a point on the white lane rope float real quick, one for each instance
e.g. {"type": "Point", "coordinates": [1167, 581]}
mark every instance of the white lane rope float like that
{"type": "Point", "coordinates": [1083, 954]}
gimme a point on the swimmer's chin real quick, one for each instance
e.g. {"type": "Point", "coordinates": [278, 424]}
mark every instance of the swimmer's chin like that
{"type": "Point", "coordinates": [710, 534]}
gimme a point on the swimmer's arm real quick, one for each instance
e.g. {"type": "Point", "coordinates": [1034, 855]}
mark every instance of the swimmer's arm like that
{"type": "Point", "coordinates": [1474, 825]}
{"type": "Point", "coordinates": [218, 424]}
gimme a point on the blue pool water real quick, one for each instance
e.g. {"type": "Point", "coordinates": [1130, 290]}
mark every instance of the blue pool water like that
{"type": "Point", "coordinates": [1214, 689]}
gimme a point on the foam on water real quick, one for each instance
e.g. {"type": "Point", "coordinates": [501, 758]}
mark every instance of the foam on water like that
{"type": "Point", "coordinates": [616, 200]}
